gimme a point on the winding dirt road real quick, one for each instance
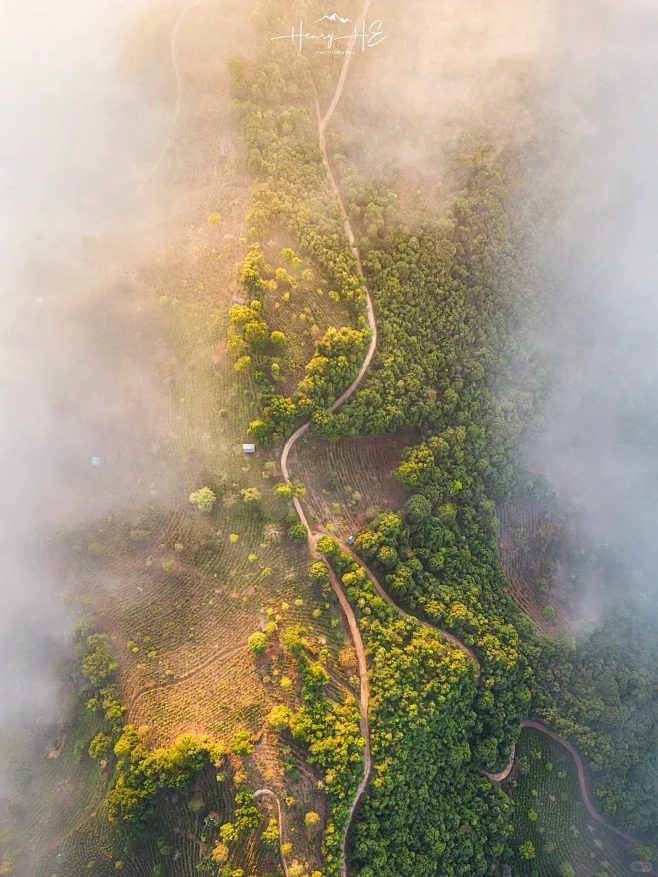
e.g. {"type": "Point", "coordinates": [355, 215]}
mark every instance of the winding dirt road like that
{"type": "Point", "coordinates": [347, 610]}
{"type": "Point", "coordinates": [450, 637]}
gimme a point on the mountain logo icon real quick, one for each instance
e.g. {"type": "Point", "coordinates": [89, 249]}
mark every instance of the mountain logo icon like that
{"type": "Point", "coordinates": [333, 17]}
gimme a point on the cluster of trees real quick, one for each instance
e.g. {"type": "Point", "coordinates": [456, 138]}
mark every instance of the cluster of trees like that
{"type": "Point", "coordinates": [451, 288]}
{"type": "Point", "coordinates": [449, 300]}
{"type": "Point", "coordinates": [275, 103]}
{"type": "Point", "coordinates": [335, 364]}
{"type": "Point", "coordinates": [439, 558]}
{"type": "Point", "coordinates": [141, 774]}
{"type": "Point", "coordinates": [98, 666]}
{"type": "Point", "coordinates": [449, 297]}
{"type": "Point", "coordinates": [279, 132]}
{"type": "Point", "coordinates": [426, 812]}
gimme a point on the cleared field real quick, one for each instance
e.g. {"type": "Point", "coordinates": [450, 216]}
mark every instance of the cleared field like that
{"type": "Point", "coordinates": [349, 481]}
{"type": "Point", "coordinates": [551, 816]}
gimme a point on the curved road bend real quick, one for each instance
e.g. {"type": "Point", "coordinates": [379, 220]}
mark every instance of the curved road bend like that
{"type": "Point", "coordinates": [582, 782]}
{"type": "Point", "coordinates": [259, 794]}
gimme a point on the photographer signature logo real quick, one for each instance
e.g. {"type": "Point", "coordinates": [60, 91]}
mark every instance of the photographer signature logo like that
{"type": "Point", "coordinates": [333, 17]}
{"type": "Point", "coordinates": [368, 35]}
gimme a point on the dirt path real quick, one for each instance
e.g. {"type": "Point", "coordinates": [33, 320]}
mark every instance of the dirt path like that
{"type": "Point", "coordinates": [382, 593]}
{"type": "Point", "coordinates": [259, 794]}
{"type": "Point", "coordinates": [179, 90]}
{"type": "Point", "coordinates": [347, 610]}
{"type": "Point", "coordinates": [336, 585]}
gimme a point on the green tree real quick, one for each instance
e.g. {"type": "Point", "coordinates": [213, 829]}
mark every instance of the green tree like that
{"type": "Point", "coordinates": [527, 850]}
{"type": "Point", "coordinates": [243, 365]}
{"type": "Point", "coordinates": [278, 339]}
{"type": "Point", "coordinates": [100, 746]}
{"type": "Point", "coordinates": [203, 499]}
{"type": "Point", "coordinates": [258, 643]}
{"type": "Point", "coordinates": [251, 495]}
{"type": "Point", "coordinates": [298, 532]}
{"type": "Point", "coordinates": [279, 718]}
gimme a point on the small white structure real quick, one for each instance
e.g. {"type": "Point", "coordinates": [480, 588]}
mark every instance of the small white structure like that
{"type": "Point", "coordinates": [95, 461]}
{"type": "Point", "coordinates": [249, 449]}
{"type": "Point", "coordinates": [262, 627]}
{"type": "Point", "coordinates": [236, 300]}
{"type": "Point", "coordinates": [39, 300]}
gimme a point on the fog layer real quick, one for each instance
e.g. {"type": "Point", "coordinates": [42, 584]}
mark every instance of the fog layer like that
{"type": "Point", "coordinates": [601, 446]}
{"type": "Point", "coordinates": [75, 139]}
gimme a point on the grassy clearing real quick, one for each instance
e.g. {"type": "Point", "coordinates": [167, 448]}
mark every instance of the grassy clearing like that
{"type": "Point", "coordinates": [551, 816]}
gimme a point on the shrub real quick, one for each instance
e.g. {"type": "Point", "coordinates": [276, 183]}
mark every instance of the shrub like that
{"type": "Point", "coordinates": [298, 532]}
{"type": "Point", "coordinates": [100, 746]}
{"type": "Point", "coordinates": [95, 549]}
{"type": "Point", "coordinates": [251, 495]}
{"type": "Point", "coordinates": [203, 499]}
{"type": "Point", "coordinates": [241, 744]}
{"type": "Point", "coordinates": [311, 819]}
{"type": "Point", "coordinates": [243, 365]}
{"type": "Point", "coordinates": [278, 339]}
{"type": "Point", "coordinates": [527, 850]}
{"type": "Point", "coordinates": [220, 853]}
{"type": "Point", "coordinates": [279, 718]}
{"type": "Point", "coordinates": [257, 643]}
{"type": "Point", "coordinates": [228, 832]}
{"type": "Point", "coordinates": [319, 573]}
{"type": "Point", "coordinates": [270, 836]}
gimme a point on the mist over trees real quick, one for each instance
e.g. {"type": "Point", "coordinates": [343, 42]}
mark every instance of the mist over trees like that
{"type": "Point", "coordinates": [496, 163]}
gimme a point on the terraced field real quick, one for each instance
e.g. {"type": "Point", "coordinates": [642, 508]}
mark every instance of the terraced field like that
{"type": "Point", "coordinates": [551, 816]}
{"type": "Point", "coordinates": [186, 832]}
{"type": "Point", "coordinates": [349, 481]}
